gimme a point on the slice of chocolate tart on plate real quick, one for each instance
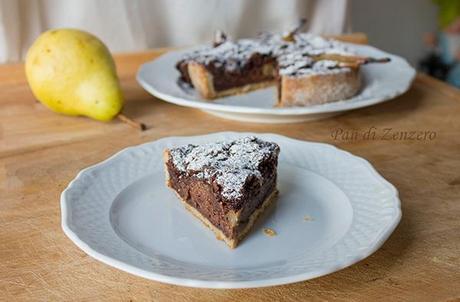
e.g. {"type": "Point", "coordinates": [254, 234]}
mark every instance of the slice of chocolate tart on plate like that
{"type": "Point", "coordinates": [226, 184]}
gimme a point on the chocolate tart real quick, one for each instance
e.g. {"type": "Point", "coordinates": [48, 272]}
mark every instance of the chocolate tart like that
{"type": "Point", "coordinates": [227, 185]}
{"type": "Point", "coordinates": [306, 69]}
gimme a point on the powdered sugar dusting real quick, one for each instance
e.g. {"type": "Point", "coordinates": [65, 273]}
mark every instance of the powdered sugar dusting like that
{"type": "Point", "coordinates": [230, 163]}
{"type": "Point", "coordinates": [294, 58]}
{"type": "Point", "coordinates": [229, 54]}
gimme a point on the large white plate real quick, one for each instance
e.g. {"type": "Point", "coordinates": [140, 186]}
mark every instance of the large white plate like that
{"type": "Point", "coordinates": [381, 82]}
{"type": "Point", "coordinates": [121, 213]}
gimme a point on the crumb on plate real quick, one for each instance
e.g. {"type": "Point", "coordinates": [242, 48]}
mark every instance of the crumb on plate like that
{"type": "Point", "coordinates": [269, 232]}
{"type": "Point", "coordinates": [308, 218]}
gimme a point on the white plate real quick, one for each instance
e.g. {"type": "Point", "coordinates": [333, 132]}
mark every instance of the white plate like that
{"type": "Point", "coordinates": [121, 213]}
{"type": "Point", "coordinates": [381, 82]}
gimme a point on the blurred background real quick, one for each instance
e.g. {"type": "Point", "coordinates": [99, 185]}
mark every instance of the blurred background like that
{"type": "Point", "coordinates": [425, 32]}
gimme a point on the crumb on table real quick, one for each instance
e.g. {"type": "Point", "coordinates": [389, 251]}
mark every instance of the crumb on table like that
{"type": "Point", "coordinates": [269, 232]}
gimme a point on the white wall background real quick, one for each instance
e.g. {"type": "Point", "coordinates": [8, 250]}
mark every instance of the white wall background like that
{"type": "Point", "coordinates": [393, 25]}
{"type": "Point", "coordinates": [396, 26]}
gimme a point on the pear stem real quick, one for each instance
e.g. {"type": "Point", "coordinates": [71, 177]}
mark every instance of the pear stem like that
{"type": "Point", "coordinates": [132, 123]}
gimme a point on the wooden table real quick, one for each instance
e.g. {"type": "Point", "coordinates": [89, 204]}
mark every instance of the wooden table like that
{"type": "Point", "coordinates": [40, 152]}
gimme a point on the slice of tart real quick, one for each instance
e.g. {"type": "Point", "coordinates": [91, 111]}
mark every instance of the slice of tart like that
{"type": "Point", "coordinates": [227, 69]}
{"type": "Point", "coordinates": [227, 185]}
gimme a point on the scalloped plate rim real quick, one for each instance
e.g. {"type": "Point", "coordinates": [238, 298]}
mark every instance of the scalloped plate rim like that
{"type": "Point", "coordinates": [65, 217]}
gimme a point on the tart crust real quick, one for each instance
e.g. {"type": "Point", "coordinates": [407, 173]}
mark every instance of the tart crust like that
{"type": "Point", "coordinates": [318, 89]}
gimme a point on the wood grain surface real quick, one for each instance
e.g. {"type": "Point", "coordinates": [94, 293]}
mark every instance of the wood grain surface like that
{"type": "Point", "coordinates": [40, 152]}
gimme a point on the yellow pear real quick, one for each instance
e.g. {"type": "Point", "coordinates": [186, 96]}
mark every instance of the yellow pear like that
{"type": "Point", "coordinates": [72, 72]}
